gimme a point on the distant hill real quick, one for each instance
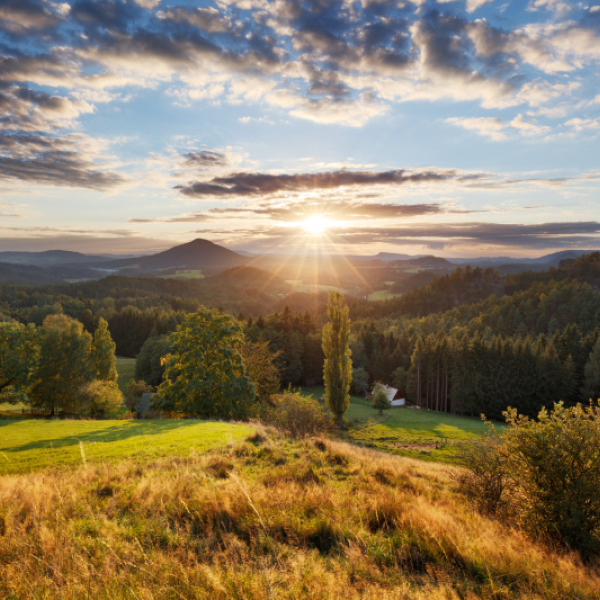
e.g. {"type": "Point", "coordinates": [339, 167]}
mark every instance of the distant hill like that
{"type": "Point", "coordinates": [507, 265]}
{"type": "Point", "coordinates": [197, 254]}
{"type": "Point", "coordinates": [49, 257]}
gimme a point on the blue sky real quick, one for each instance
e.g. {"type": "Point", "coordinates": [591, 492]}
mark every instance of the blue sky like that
{"type": "Point", "coordinates": [456, 127]}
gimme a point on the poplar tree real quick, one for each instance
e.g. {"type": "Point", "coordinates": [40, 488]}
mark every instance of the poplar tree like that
{"type": "Point", "coordinates": [337, 370]}
{"type": "Point", "coordinates": [103, 352]}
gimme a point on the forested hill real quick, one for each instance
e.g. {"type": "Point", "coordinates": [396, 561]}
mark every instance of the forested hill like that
{"type": "Point", "coordinates": [471, 286]}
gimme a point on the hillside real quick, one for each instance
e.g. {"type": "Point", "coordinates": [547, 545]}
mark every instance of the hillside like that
{"type": "Point", "coordinates": [197, 254]}
{"type": "Point", "coordinates": [268, 518]}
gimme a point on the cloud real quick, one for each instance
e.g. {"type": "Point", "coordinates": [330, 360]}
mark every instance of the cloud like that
{"type": "Point", "coordinates": [50, 160]}
{"type": "Point", "coordinates": [205, 159]}
{"type": "Point", "coordinates": [464, 235]}
{"type": "Point", "coordinates": [246, 184]}
{"type": "Point", "coordinates": [498, 130]}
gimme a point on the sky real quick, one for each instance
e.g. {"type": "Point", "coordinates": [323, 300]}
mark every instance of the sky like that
{"type": "Point", "coordinates": [448, 127]}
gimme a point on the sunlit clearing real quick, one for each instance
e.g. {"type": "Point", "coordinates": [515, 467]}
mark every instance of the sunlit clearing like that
{"type": "Point", "coordinates": [316, 224]}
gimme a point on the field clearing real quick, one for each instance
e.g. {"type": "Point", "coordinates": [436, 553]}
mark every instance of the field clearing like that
{"type": "Point", "coordinates": [185, 274]}
{"type": "Point", "coordinates": [27, 445]}
{"type": "Point", "coordinates": [126, 371]}
{"type": "Point", "coordinates": [423, 434]}
{"type": "Point", "coordinates": [381, 295]}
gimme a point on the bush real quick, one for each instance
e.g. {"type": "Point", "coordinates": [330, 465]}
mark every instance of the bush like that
{"type": "Point", "coordinates": [98, 398]}
{"type": "Point", "coordinates": [547, 474]}
{"type": "Point", "coordinates": [380, 399]}
{"type": "Point", "coordinates": [298, 415]}
{"type": "Point", "coordinates": [555, 465]}
{"type": "Point", "coordinates": [485, 481]}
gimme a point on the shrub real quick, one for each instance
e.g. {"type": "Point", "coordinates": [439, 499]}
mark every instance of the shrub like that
{"type": "Point", "coordinates": [545, 473]}
{"type": "Point", "coordinates": [380, 400]}
{"type": "Point", "coordinates": [554, 462]}
{"type": "Point", "coordinates": [485, 481]}
{"type": "Point", "coordinates": [98, 398]}
{"type": "Point", "coordinates": [298, 415]}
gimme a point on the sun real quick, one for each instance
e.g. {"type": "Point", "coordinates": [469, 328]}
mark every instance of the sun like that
{"type": "Point", "coordinates": [316, 224]}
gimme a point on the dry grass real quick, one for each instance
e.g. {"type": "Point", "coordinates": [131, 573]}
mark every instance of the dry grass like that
{"type": "Point", "coordinates": [267, 518]}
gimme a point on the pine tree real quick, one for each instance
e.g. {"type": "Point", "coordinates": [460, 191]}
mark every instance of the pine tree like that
{"type": "Point", "coordinates": [337, 370]}
{"type": "Point", "coordinates": [103, 352]}
{"type": "Point", "coordinates": [591, 382]}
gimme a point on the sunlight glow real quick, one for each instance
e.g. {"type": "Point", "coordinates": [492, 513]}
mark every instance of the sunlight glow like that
{"type": "Point", "coordinates": [316, 224]}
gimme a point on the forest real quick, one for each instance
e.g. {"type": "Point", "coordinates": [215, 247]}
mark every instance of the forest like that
{"type": "Point", "coordinates": [468, 342]}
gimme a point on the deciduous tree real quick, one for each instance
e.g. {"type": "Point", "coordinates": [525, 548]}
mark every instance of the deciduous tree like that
{"type": "Point", "coordinates": [204, 372]}
{"type": "Point", "coordinates": [18, 353]}
{"type": "Point", "coordinates": [64, 365]}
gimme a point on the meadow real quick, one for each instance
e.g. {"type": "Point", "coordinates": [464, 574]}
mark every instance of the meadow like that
{"type": "Point", "coordinates": [423, 434]}
{"type": "Point", "coordinates": [126, 370]}
{"type": "Point", "coordinates": [267, 517]}
{"type": "Point", "coordinates": [31, 444]}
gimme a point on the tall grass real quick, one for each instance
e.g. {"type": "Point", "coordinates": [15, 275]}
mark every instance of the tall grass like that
{"type": "Point", "coordinates": [267, 518]}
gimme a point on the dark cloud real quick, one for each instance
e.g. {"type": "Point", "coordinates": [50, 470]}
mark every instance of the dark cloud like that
{"type": "Point", "coordinates": [52, 160]}
{"type": "Point", "coordinates": [264, 184]}
{"type": "Point", "coordinates": [22, 16]}
{"type": "Point", "coordinates": [108, 14]}
{"type": "Point", "coordinates": [295, 212]}
{"type": "Point", "coordinates": [205, 159]}
{"type": "Point", "coordinates": [540, 235]}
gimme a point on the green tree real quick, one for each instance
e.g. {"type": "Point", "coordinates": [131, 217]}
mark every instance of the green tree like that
{"type": "Point", "coordinates": [591, 382]}
{"type": "Point", "coordinates": [18, 353]}
{"type": "Point", "coordinates": [98, 398]}
{"type": "Point", "coordinates": [64, 365]}
{"type": "Point", "coordinates": [204, 373]}
{"type": "Point", "coordinates": [261, 369]}
{"type": "Point", "coordinates": [103, 352]}
{"type": "Point", "coordinates": [149, 364]}
{"type": "Point", "coordinates": [380, 400]}
{"type": "Point", "coordinates": [337, 370]}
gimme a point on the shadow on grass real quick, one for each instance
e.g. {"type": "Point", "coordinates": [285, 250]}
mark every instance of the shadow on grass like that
{"type": "Point", "coordinates": [130, 429]}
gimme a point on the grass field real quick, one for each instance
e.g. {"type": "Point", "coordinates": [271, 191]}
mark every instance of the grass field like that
{"type": "Point", "coordinates": [26, 445]}
{"type": "Point", "coordinates": [126, 371]}
{"type": "Point", "coordinates": [189, 274]}
{"type": "Point", "coordinates": [417, 433]}
{"type": "Point", "coordinates": [381, 295]}
{"type": "Point", "coordinates": [268, 518]}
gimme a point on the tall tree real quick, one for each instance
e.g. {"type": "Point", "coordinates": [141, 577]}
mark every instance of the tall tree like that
{"type": "Point", "coordinates": [337, 370]}
{"type": "Point", "coordinates": [103, 353]}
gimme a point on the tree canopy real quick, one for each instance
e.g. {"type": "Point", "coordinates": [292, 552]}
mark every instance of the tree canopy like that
{"type": "Point", "coordinates": [204, 372]}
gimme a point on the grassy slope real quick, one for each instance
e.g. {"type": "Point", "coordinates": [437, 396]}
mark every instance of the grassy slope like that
{"type": "Point", "coordinates": [418, 433]}
{"type": "Point", "coordinates": [315, 519]}
{"type": "Point", "coordinates": [126, 371]}
{"type": "Point", "coordinates": [32, 444]}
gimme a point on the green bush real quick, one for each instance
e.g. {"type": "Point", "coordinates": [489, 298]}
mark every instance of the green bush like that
{"type": "Point", "coordinates": [298, 415]}
{"type": "Point", "coordinates": [547, 473]}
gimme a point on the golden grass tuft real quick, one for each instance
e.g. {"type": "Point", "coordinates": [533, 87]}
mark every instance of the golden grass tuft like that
{"type": "Point", "coordinates": [268, 518]}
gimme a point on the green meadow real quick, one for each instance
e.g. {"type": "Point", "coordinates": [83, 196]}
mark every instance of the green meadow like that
{"type": "Point", "coordinates": [410, 432]}
{"type": "Point", "coordinates": [126, 371]}
{"type": "Point", "coordinates": [30, 444]}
